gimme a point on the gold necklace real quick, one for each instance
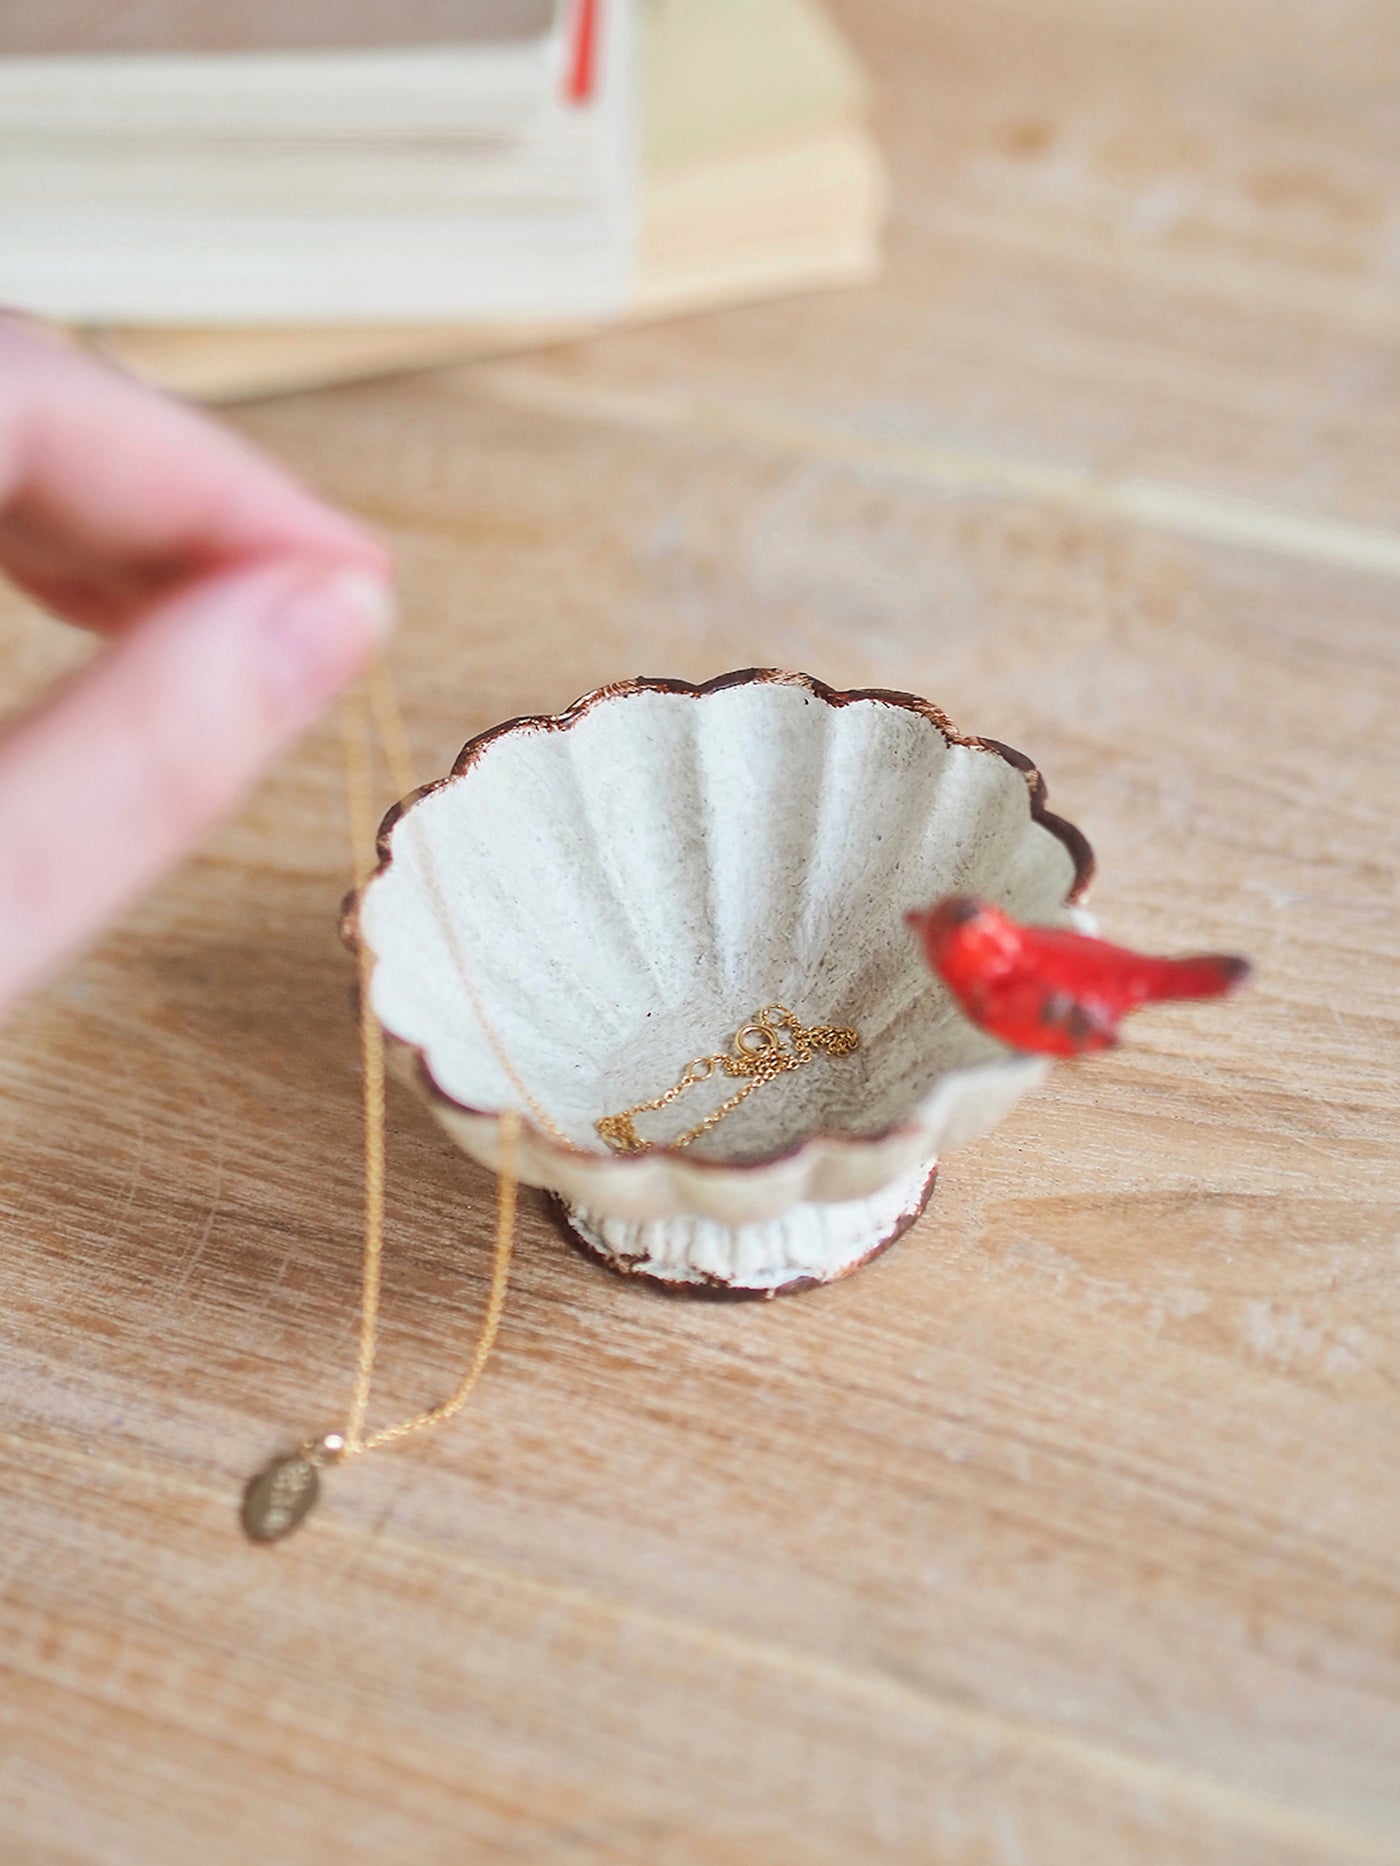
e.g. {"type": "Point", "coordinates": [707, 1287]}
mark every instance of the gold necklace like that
{"type": "Point", "coordinates": [281, 1495]}
{"type": "Point", "coordinates": [768, 1046]}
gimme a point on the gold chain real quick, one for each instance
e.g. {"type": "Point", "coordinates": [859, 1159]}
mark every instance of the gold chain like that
{"type": "Point", "coordinates": [388, 721]}
{"type": "Point", "coordinates": [280, 1496]}
{"type": "Point", "coordinates": [773, 1042]}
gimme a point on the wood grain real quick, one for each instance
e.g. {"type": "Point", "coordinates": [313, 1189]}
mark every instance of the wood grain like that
{"type": "Point", "coordinates": [1064, 1533]}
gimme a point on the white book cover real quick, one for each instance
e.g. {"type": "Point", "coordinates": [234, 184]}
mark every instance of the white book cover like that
{"type": "Point", "coordinates": [353, 184]}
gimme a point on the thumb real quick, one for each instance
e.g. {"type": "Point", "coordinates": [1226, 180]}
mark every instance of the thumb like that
{"type": "Point", "coordinates": [121, 769]}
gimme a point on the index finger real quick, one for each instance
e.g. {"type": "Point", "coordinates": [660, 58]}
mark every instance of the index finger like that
{"type": "Point", "coordinates": [111, 493]}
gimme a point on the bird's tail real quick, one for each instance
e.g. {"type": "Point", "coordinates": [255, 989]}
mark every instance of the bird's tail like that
{"type": "Point", "coordinates": [1202, 975]}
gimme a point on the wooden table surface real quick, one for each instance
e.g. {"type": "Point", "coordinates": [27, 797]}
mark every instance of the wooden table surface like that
{"type": "Point", "coordinates": [1065, 1533]}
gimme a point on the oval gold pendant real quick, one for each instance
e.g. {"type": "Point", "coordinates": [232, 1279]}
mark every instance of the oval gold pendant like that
{"type": "Point", "coordinates": [279, 1497]}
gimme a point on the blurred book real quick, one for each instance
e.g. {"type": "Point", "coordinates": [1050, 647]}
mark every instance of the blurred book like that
{"type": "Point", "coordinates": [487, 174]}
{"type": "Point", "coordinates": [506, 172]}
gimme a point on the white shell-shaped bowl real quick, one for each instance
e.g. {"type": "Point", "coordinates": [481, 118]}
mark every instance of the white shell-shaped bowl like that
{"type": "Point", "coordinates": [621, 887]}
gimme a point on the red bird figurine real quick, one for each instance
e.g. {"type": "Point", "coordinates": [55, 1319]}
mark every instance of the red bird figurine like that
{"type": "Point", "coordinates": [1041, 988]}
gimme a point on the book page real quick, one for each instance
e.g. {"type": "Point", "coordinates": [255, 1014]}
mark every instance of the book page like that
{"type": "Point", "coordinates": [725, 72]}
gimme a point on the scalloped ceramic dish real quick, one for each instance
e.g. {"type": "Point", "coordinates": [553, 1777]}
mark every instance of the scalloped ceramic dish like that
{"type": "Point", "coordinates": [627, 883]}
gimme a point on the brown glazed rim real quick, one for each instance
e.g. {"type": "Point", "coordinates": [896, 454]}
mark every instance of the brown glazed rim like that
{"type": "Point", "coordinates": [714, 1288]}
{"type": "Point", "coordinates": [1074, 840]}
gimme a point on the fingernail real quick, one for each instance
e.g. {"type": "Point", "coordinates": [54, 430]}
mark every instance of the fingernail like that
{"type": "Point", "coordinates": [318, 635]}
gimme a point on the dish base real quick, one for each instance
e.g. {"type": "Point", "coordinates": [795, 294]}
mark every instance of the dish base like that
{"type": "Point", "coordinates": [806, 1246]}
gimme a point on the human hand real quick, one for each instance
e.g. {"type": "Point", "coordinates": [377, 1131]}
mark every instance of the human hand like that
{"type": "Point", "coordinates": [236, 606]}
